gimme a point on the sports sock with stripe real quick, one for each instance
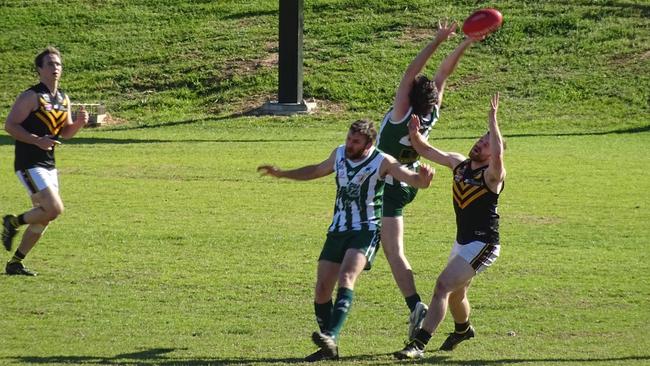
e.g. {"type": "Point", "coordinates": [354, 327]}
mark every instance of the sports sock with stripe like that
{"type": "Point", "coordinates": [342, 306]}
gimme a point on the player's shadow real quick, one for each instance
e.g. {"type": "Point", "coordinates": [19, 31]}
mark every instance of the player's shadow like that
{"type": "Point", "coordinates": [618, 131]}
{"type": "Point", "coordinates": [6, 140]}
{"type": "Point", "coordinates": [158, 356]}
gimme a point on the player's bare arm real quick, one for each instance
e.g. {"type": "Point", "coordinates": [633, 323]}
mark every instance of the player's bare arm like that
{"type": "Point", "coordinates": [72, 127]}
{"type": "Point", "coordinates": [448, 159]}
{"type": "Point", "coordinates": [26, 103]}
{"type": "Point", "coordinates": [448, 66]}
{"type": "Point", "coordinates": [420, 179]}
{"type": "Point", "coordinates": [402, 101]}
{"type": "Point", "coordinates": [496, 172]}
{"type": "Point", "coordinates": [308, 172]}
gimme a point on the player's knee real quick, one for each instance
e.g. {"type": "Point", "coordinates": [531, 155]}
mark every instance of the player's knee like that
{"type": "Point", "coordinates": [53, 212]}
{"type": "Point", "coordinates": [442, 289]}
{"type": "Point", "coordinates": [346, 279]}
{"type": "Point", "coordinates": [322, 292]}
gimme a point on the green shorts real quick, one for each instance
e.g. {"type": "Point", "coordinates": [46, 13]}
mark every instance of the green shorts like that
{"type": "Point", "coordinates": [336, 244]}
{"type": "Point", "coordinates": [396, 197]}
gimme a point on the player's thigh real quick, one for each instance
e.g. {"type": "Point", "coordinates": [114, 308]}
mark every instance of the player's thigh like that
{"type": "Point", "coordinates": [392, 231]}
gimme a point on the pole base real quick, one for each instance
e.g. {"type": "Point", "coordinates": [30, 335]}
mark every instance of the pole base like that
{"type": "Point", "coordinates": [285, 109]}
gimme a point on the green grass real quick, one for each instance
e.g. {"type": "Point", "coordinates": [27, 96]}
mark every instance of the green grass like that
{"type": "Point", "coordinates": [173, 251]}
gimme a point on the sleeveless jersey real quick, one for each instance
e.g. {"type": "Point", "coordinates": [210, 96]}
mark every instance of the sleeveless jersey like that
{"type": "Point", "coordinates": [475, 206]}
{"type": "Point", "coordinates": [48, 119]}
{"type": "Point", "coordinates": [393, 138]}
{"type": "Point", "coordinates": [359, 190]}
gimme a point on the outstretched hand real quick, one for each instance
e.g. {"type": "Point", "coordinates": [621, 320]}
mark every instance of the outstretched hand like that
{"type": "Point", "coordinates": [414, 124]}
{"type": "Point", "coordinates": [494, 107]}
{"type": "Point", "coordinates": [271, 170]}
{"type": "Point", "coordinates": [445, 30]}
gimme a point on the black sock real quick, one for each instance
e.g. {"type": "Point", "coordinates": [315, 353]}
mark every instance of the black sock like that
{"type": "Point", "coordinates": [421, 339]}
{"type": "Point", "coordinates": [17, 258]}
{"type": "Point", "coordinates": [323, 315]}
{"type": "Point", "coordinates": [461, 327]}
{"type": "Point", "coordinates": [412, 300]}
{"type": "Point", "coordinates": [21, 219]}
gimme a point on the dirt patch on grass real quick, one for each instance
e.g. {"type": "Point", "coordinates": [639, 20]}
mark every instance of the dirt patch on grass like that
{"type": "Point", "coordinates": [416, 35]}
{"type": "Point", "coordinates": [242, 66]}
{"type": "Point", "coordinates": [253, 105]}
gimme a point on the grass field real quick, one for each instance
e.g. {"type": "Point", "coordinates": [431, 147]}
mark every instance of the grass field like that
{"type": "Point", "coordinates": [173, 251]}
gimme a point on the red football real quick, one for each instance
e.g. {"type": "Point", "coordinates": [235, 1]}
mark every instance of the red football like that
{"type": "Point", "coordinates": [482, 22]}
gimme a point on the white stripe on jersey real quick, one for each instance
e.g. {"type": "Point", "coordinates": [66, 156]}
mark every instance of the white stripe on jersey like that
{"type": "Point", "coordinates": [351, 210]}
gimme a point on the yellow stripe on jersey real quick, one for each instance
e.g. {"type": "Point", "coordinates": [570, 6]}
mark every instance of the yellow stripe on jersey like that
{"type": "Point", "coordinates": [54, 119]}
{"type": "Point", "coordinates": [464, 193]}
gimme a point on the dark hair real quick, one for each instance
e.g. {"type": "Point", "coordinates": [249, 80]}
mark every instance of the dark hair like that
{"type": "Point", "coordinates": [50, 50]}
{"type": "Point", "coordinates": [366, 128]}
{"type": "Point", "coordinates": [423, 95]}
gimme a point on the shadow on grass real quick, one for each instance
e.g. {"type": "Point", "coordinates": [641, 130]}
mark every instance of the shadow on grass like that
{"type": "Point", "coordinates": [156, 356]}
{"type": "Point", "coordinates": [620, 131]}
{"type": "Point", "coordinates": [7, 140]}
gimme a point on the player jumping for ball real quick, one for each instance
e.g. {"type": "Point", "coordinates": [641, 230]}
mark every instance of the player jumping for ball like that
{"type": "Point", "coordinates": [477, 183]}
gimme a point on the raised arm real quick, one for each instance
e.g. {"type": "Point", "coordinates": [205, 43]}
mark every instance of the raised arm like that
{"type": "Point", "coordinates": [402, 100]}
{"type": "Point", "coordinates": [448, 159]}
{"type": "Point", "coordinates": [496, 171]}
{"type": "Point", "coordinates": [448, 66]}
{"type": "Point", "coordinates": [420, 179]}
{"type": "Point", "coordinates": [305, 173]}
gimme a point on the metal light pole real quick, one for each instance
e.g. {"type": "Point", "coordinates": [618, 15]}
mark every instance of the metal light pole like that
{"type": "Point", "coordinates": [290, 61]}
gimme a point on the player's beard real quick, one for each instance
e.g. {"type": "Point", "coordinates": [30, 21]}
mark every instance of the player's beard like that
{"type": "Point", "coordinates": [353, 155]}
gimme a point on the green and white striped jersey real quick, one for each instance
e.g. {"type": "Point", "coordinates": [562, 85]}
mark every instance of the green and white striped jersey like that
{"type": "Point", "coordinates": [359, 191]}
{"type": "Point", "coordinates": [393, 137]}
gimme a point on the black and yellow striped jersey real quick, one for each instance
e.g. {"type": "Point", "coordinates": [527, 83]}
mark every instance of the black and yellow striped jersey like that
{"type": "Point", "coordinates": [48, 119]}
{"type": "Point", "coordinates": [475, 206]}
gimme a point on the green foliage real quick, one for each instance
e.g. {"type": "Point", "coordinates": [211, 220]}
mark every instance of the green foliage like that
{"type": "Point", "coordinates": [172, 59]}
